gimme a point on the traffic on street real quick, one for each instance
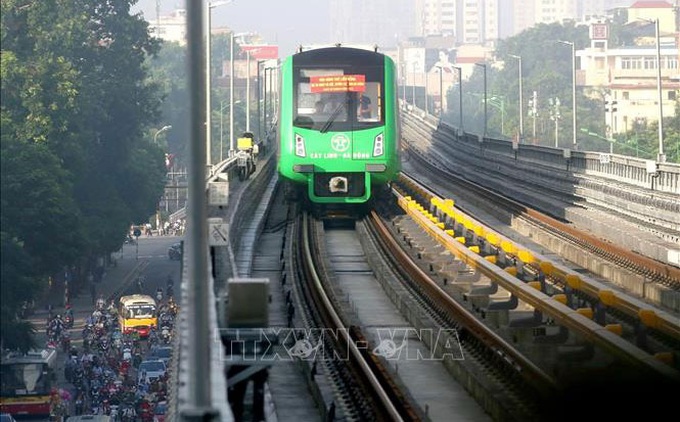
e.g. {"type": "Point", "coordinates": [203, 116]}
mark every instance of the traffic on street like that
{"type": "Point", "coordinates": [108, 350]}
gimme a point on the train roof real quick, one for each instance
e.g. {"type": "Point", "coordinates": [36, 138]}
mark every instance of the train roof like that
{"type": "Point", "coordinates": [331, 55]}
{"type": "Point", "coordinates": [48, 356]}
{"type": "Point", "coordinates": [367, 47]}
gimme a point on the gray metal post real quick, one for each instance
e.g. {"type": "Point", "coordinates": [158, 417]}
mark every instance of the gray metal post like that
{"type": "Point", "coordinates": [573, 91]}
{"type": "Point", "coordinates": [485, 99]}
{"type": "Point", "coordinates": [247, 91]}
{"type": "Point", "coordinates": [208, 123]}
{"type": "Point", "coordinates": [413, 88]}
{"type": "Point", "coordinates": [199, 405]}
{"type": "Point", "coordinates": [231, 96]}
{"type": "Point", "coordinates": [259, 98]}
{"type": "Point", "coordinates": [662, 156]}
{"type": "Point", "coordinates": [521, 98]}
{"type": "Point", "coordinates": [460, 96]}
{"type": "Point", "coordinates": [441, 93]}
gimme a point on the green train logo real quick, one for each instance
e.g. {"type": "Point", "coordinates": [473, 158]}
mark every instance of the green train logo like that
{"type": "Point", "coordinates": [340, 143]}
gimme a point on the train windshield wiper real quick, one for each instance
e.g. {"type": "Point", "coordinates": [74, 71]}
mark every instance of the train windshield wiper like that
{"type": "Point", "coordinates": [332, 118]}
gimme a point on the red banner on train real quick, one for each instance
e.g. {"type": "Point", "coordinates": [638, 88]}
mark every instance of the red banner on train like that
{"type": "Point", "coordinates": [338, 83]}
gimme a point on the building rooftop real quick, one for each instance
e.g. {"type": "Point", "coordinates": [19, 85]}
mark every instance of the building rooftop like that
{"type": "Point", "coordinates": [651, 5]}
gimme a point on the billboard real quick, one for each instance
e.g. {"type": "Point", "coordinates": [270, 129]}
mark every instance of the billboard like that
{"type": "Point", "coordinates": [599, 31]}
{"type": "Point", "coordinates": [440, 57]}
{"type": "Point", "coordinates": [414, 60]}
{"type": "Point", "coordinates": [261, 52]}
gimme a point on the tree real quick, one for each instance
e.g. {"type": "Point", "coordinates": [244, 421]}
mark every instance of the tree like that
{"type": "Point", "coordinates": [168, 71]}
{"type": "Point", "coordinates": [76, 169]}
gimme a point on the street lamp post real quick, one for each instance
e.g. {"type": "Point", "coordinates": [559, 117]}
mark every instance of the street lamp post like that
{"type": "Point", "coordinates": [403, 84]}
{"type": "Point", "coordinates": [268, 82]}
{"type": "Point", "coordinates": [662, 156]}
{"type": "Point", "coordinates": [222, 107]}
{"type": "Point", "coordinates": [159, 131]}
{"type": "Point", "coordinates": [573, 91]}
{"type": "Point", "coordinates": [259, 97]}
{"type": "Point", "coordinates": [425, 96]}
{"type": "Point", "coordinates": [460, 96]}
{"type": "Point", "coordinates": [231, 94]}
{"type": "Point", "coordinates": [413, 88]}
{"type": "Point", "coordinates": [441, 92]}
{"type": "Point", "coordinates": [247, 90]}
{"type": "Point", "coordinates": [208, 89]}
{"type": "Point", "coordinates": [483, 65]}
{"type": "Point", "coordinates": [555, 116]}
{"type": "Point", "coordinates": [521, 99]}
{"type": "Point", "coordinates": [266, 69]}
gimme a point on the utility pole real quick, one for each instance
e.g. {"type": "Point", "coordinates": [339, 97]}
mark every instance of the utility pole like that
{"type": "Point", "coordinates": [533, 111]}
{"type": "Point", "coordinates": [609, 110]}
{"type": "Point", "coordinates": [556, 117]}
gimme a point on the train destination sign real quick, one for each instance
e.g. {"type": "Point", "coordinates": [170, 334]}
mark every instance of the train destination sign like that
{"type": "Point", "coordinates": [338, 83]}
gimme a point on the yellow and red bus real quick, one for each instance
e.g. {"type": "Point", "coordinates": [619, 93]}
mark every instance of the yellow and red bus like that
{"type": "Point", "coordinates": [26, 381]}
{"type": "Point", "coordinates": [137, 313]}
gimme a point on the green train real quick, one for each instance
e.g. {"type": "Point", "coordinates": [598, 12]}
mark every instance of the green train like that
{"type": "Point", "coordinates": [338, 124]}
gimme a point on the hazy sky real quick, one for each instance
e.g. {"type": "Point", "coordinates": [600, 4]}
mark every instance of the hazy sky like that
{"type": "Point", "coordinates": [287, 23]}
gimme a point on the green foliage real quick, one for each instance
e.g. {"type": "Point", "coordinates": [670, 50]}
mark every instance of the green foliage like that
{"type": "Point", "coordinates": [17, 335]}
{"type": "Point", "coordinates": [168, 71]}
{"type": "Point", "coordinates": [19, 284]}
{"type": "Point", "coordinates": [643, 139]}
{"type": "Point", "coordinates": [77, 167]}
{"type": "Point", "coordinates": [546, 69]}
{"type": "Point", "coordinates": [37, 207]}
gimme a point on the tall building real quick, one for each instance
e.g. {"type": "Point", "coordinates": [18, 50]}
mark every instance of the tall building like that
{"type": "Point", "coordinates": [550, 11]}
{"type": "Point", "coordinates": [381, 22]}
{"type": "Point", "coordinates": [172, 27]}
{"type": "Point", "coordinates": [590, 8]}
{"type": "Point", "coordinates": [434, 17]}
{"type": "Point", "coordinates": [471, 21]}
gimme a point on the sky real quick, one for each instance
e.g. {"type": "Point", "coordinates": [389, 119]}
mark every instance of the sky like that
{"type": "Point", "coordinates": [287, 23]}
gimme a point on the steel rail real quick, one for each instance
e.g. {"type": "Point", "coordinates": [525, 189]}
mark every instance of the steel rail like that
{"type": "Point", "coordinates": [526, 368]}
{"type": "Point", "coordinates": [561, 313]}
{"type": "Point", "coordinates": [380, 392]}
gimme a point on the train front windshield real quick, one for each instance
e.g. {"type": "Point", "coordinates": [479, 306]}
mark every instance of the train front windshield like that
{"type": "Point", "coordinates": [338, 99]}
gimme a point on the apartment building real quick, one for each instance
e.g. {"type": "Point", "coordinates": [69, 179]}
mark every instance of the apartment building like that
{"type": "Point", "coordinates": [628, 75]}
{"type": "Point", "coordinates": [171, 27]}
{"type": "Point", "coordinates": [381, 22]}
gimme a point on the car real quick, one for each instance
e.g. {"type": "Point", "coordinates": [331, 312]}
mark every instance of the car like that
{"type": "Point", "coordinates": [175, 252]}
{"type": "Point", "coordinates": [163, 353]}
{"type": "Point", "coordinates": [159, 411]}
{"type": "Point", "coordinates": [6, 417]}
{"type": "Point", "coordinates": [150, 370]}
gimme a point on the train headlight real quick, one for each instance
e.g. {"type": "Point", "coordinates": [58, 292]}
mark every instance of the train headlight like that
{"type": "Point", "coordinates": [300, 146]}
{"type": "Point", "coordinates": [378, 146]}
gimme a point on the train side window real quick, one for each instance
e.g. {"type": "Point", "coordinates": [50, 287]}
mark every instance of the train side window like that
{"type": "Point", "coordinates": [369, 103]}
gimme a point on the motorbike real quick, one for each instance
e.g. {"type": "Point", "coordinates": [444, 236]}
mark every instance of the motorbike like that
{"type": "Point", "coordinates": [166, 334]}
{"type": "Point", "coordinates": [140, 283]}
{"type": "Point", "coordinates": [66, 341]}
{"type": "Point", "coordinates": [104, 345]}
{"type": "Point", "coordinates": [68, 321]}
